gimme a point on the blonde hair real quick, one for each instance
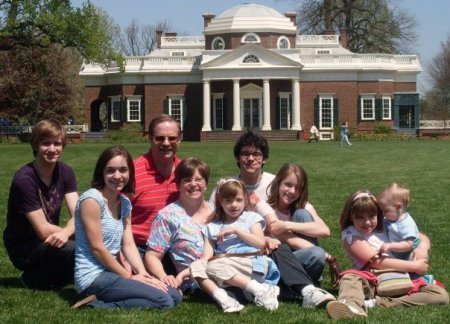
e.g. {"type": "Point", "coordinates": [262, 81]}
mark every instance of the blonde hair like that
{"type": "Point", "coordinates": [360, 202]}
{"type": "Point", "coordinates": [44, 129]}
{"type": "Point", "coordinates": [395, 193]}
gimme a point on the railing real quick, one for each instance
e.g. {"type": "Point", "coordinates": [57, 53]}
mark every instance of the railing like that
{"type": "Point", "coordinates": [360, 59]}
{"type": "Point", "coordinates": [434, 124]}
{"type": "Point", "coordinates": [317, 40]}
{"type": "Point", "coordinates": [17, 130]}
{"type": "Point", "coordinates": [183, 42]}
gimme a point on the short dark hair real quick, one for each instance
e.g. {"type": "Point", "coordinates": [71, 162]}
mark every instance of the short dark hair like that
{"type": "Point", "coordinates": [187, 168]}
{"type": "Point", "coordinates": [161, 119]}
{"type": "Point", "coordinates": [98, 180]}
{"type": "Point", "coordinates": [47, 128]}
{"type": "Point", "coordinates": [251, 139]}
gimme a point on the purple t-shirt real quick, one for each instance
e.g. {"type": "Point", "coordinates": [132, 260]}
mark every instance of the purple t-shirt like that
{"type": "Point", "coordinates": [28, 193]}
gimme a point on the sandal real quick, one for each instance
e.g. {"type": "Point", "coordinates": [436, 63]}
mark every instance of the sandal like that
{"type": "Point", "coordinates": [335, 270]}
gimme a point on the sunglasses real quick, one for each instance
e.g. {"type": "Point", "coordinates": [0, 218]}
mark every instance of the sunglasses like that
{"type": "Point", "coordinates": [162, 139]}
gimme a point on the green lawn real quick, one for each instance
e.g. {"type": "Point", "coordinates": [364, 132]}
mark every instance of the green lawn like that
{"type": "Point", "coordinates": [334, 173]}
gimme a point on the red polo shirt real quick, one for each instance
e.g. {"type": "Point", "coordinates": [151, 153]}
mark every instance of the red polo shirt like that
{"type": "Point", "coordinates": [152, 193]}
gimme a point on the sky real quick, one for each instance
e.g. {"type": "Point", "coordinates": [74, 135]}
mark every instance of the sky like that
{"type": "Point", "coordinates": [186, 17]}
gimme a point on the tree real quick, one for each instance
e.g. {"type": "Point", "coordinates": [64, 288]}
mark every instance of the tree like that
{"type": "Point", "coordinates": [37, 83]}
{"type": "Point", "coordinates": [373, 26]}
{"type": "Point", "coordinates": [439, 72]}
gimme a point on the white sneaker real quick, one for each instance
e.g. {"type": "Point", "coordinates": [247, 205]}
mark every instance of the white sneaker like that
{"type": "Point", "coordinates": [268, 297]}
{"type": "Point", "coordinates": [370, 303]}
{"type": "Point", "coordinates": [339, 310]}
{"type": "Point", "coordinates": [231, 305]}
{"type": "Point", "coordinates": [316, 297]}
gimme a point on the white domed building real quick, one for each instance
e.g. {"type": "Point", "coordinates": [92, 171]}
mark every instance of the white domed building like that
{"type": "Point", "coordinates": [251, 70]}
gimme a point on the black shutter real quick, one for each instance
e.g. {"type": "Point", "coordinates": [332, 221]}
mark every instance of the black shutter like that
{"type": "Point", "coordinates": [166, 106]}
{"type": "Point", "coordinates": [185, 113]}
{"type": "Point", "coordinates": [335, 112]}
{"type": "Point", "coordinates": [277, 113]}
{"type": "Point", "coordinates": [359, 111]}
{"type": "Point", "coordinates": [143, 113]}
{"type": "Point", "coordinates": [211, 112]}
{"type": "Point", "coordinates": [290, 111]}
{"type": "Point", "coordinates": [123, 113]}
{"type": "Point", "coordinates": [317, 112]}
{"type": "Point", "coordinates": [224, 113]}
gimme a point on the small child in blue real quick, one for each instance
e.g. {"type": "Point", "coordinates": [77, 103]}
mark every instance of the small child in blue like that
{"type": "Point", "coordinates": [401, 228]}
{"type": "Point", "coordinates": [233, 252]}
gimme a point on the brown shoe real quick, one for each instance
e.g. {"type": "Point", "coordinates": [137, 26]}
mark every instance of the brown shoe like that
{"type": "Point", "coordinates": [84, 301]}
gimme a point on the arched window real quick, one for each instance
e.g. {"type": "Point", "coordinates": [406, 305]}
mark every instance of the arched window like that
{"type": "Point", "coordinates": [218, 43]}
{"type": "Point", "coordinates": [283, 43]}
{"type": "Point", "coordinates": [250, 59]}
{"type": "Point", "coordinates": [250, 38]}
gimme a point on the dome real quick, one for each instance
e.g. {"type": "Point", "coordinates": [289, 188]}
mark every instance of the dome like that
{"type": "Point", "coordinates": [250, 17]}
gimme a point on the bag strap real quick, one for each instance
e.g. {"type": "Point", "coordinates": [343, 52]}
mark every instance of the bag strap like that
{"type": "Point", "coordinates": [228, 255]}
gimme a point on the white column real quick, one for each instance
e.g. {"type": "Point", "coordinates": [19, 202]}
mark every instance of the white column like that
{"type": "Point", "coordinates": [266, 105]}
{"type": "Point", "coordinates": [206, 107]}
{"type": "Point", "coordinates": [236, 106]}
{"type": "Point", "coordinates": [296, 105]}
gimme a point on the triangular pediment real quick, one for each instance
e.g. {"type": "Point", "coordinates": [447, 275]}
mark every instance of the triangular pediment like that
{"type": "Point", "coordinates": [265, 58]}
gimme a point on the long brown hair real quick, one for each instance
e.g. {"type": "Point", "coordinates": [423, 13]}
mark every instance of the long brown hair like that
{"type": "Point", "coordinates": [361, 201]}
{"type": "Point", "coordinates": [302, 187]}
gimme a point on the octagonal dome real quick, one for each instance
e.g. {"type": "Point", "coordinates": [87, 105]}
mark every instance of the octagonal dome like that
{"type": "Point", "coordinates": [250, 17]}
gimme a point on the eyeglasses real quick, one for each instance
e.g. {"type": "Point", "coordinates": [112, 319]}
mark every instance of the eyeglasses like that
{"type": "Point", "coordinates": [247, 154]}
{"type": "Point", "coordinates": [162, 139]}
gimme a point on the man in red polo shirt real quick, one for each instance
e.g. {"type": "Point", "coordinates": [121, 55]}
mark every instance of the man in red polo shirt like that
{"type": "Point", "coordinates": [154, 177]}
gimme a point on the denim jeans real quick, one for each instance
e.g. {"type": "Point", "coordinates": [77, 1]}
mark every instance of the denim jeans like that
{"type": "Point", "coordinates": [313, 259]}
{"type": "Point", "coordinates": [114, 291]}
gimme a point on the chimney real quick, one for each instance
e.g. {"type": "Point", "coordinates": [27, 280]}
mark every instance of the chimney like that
{"type": "Point", "coordinates": [292, 15]}
{"type": "Point", "coordinates": [158, 38]}
{"type": "Point", "coordinates": [171, 34]}
{"type": "Point", "coordinates": [343, 37]}
{"type": "Point", "coordinates": [207, 19]}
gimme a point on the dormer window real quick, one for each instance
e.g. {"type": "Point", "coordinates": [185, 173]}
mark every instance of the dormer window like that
{"type": "Point", "coordinates": [218, 43]}
{"type": "Point", "coordinates": [283, 43]}
{"type": "Point", "coordinates": [251, 38]}
{"type": "Point", "coordinates": [323, 51]}
{"type": "Point", "coordinates": [177, 53]}
{"type": "Point", "coordinates": [250, 59]}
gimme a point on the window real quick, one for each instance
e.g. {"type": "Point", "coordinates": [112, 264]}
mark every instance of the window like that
{"type": "Point", "coordinates": [285, 111]}
{"type": "Point", "coordinates": [133, 109]}
{"type": "Point", "coordinates": [367, 108]}
{"type": "Point", "coordinates": [250, 38]}
{"type": "Point", "coordinates": [386, 106]}
{"type": "Point", "coordinates": [176, 108]}
{"type": "Point", "coordinates": [250, 59]}
{"type": "Point", "coordinates": [115, 109]}
{"type": "Point", "coordinates": [326, 112]}
{"type": "Point", "coordinates": [283, 43]}
{"type": "Point", "coordinates": [323, 51]}
{"type": "Point", "coordinates": [218, 111]}
{"type": "Point", "coordinates": [218, 43]}
{"type": "Point", "coordinates": [177, 53]}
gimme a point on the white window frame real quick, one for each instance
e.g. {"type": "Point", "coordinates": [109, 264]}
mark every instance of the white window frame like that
{"type": "Point", "coordinates": [115, 100]}
{"type": "Point", "coordinates": [170, 100]}
{"type": "Point", "coordinates": [323, 52]}
{"type": "Point", "coordinates": [386, 104]}
{"type": "Point", "coordinates": [285, 96]}
{"type": "Point", "coordinates": [217, 97]}
{"type": "Point", "coordinates": [283, 38]}
{"type": "Point", "coordinates": [367, 111]}
{"type": "Point", "coordinates": [178, 53]}
{"type": "Point", "coordinates": [215, 41]}
{"type": "Point", "coordinates": [323, 97]}
{"type": "Point", "coordinates": [251, 59]}
{"type": "Point", "coordinates": [130, 100]}
{"type": "Point", "coordinates": [244, 39]}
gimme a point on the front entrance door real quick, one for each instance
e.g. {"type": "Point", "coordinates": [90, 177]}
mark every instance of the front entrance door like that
{"type": "Point", "coordinates": [406, 117]}
{"type": "Point", "coordinates": [251, 113]}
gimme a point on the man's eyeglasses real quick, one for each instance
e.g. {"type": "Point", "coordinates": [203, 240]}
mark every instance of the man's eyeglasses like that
{"type": "Point", "coordinates": [162, 139]}
{"type": "Point", "coordinates": [247, 154]}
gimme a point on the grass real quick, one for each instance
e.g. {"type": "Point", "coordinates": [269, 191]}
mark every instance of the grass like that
{"type": "Point", "coordinates": [334, 172]}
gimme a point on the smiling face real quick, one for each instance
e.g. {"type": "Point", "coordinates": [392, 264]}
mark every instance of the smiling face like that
{"type": "Point", "coordinates": [49, 149]}
{"type": "Point", "coordinates": [288, 191]}
{"type": "Point", "coordinates": [164, 141]}
{"type": "Point", "coordinates": [250, 160]}
{"type": "Point", "coordinates": [193, 188]}
{"type": "Point", "coordinates": [233, 207]}
{"type": "Point", "coordinates": [116, 174]}
{"type": "Point", "coordinates": [365, 223]}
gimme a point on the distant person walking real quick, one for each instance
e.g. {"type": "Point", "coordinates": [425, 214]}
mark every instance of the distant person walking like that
{"type": "Point", "coordinates": [344, 134]}
{"type": "Point", "coordinates": [314, 134]}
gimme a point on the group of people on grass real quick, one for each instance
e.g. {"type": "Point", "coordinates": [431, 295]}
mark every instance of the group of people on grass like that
{"type": "Point", "coordinates": [144, 234]}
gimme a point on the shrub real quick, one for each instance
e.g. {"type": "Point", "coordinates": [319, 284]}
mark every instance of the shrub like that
{"type": "Point", "coordinates": [382, 129]}
{"type": "Point", "coordinates": [130, 133]}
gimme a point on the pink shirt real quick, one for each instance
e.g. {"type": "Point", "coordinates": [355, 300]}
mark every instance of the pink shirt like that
{"type": "Point", "coordinates": [153, 192]}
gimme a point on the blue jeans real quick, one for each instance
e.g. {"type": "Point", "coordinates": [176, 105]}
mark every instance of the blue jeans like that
{"type": "Point", "coordinates": [313, 258]}
{"type": "Point", "coordinates": [114, 291]}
